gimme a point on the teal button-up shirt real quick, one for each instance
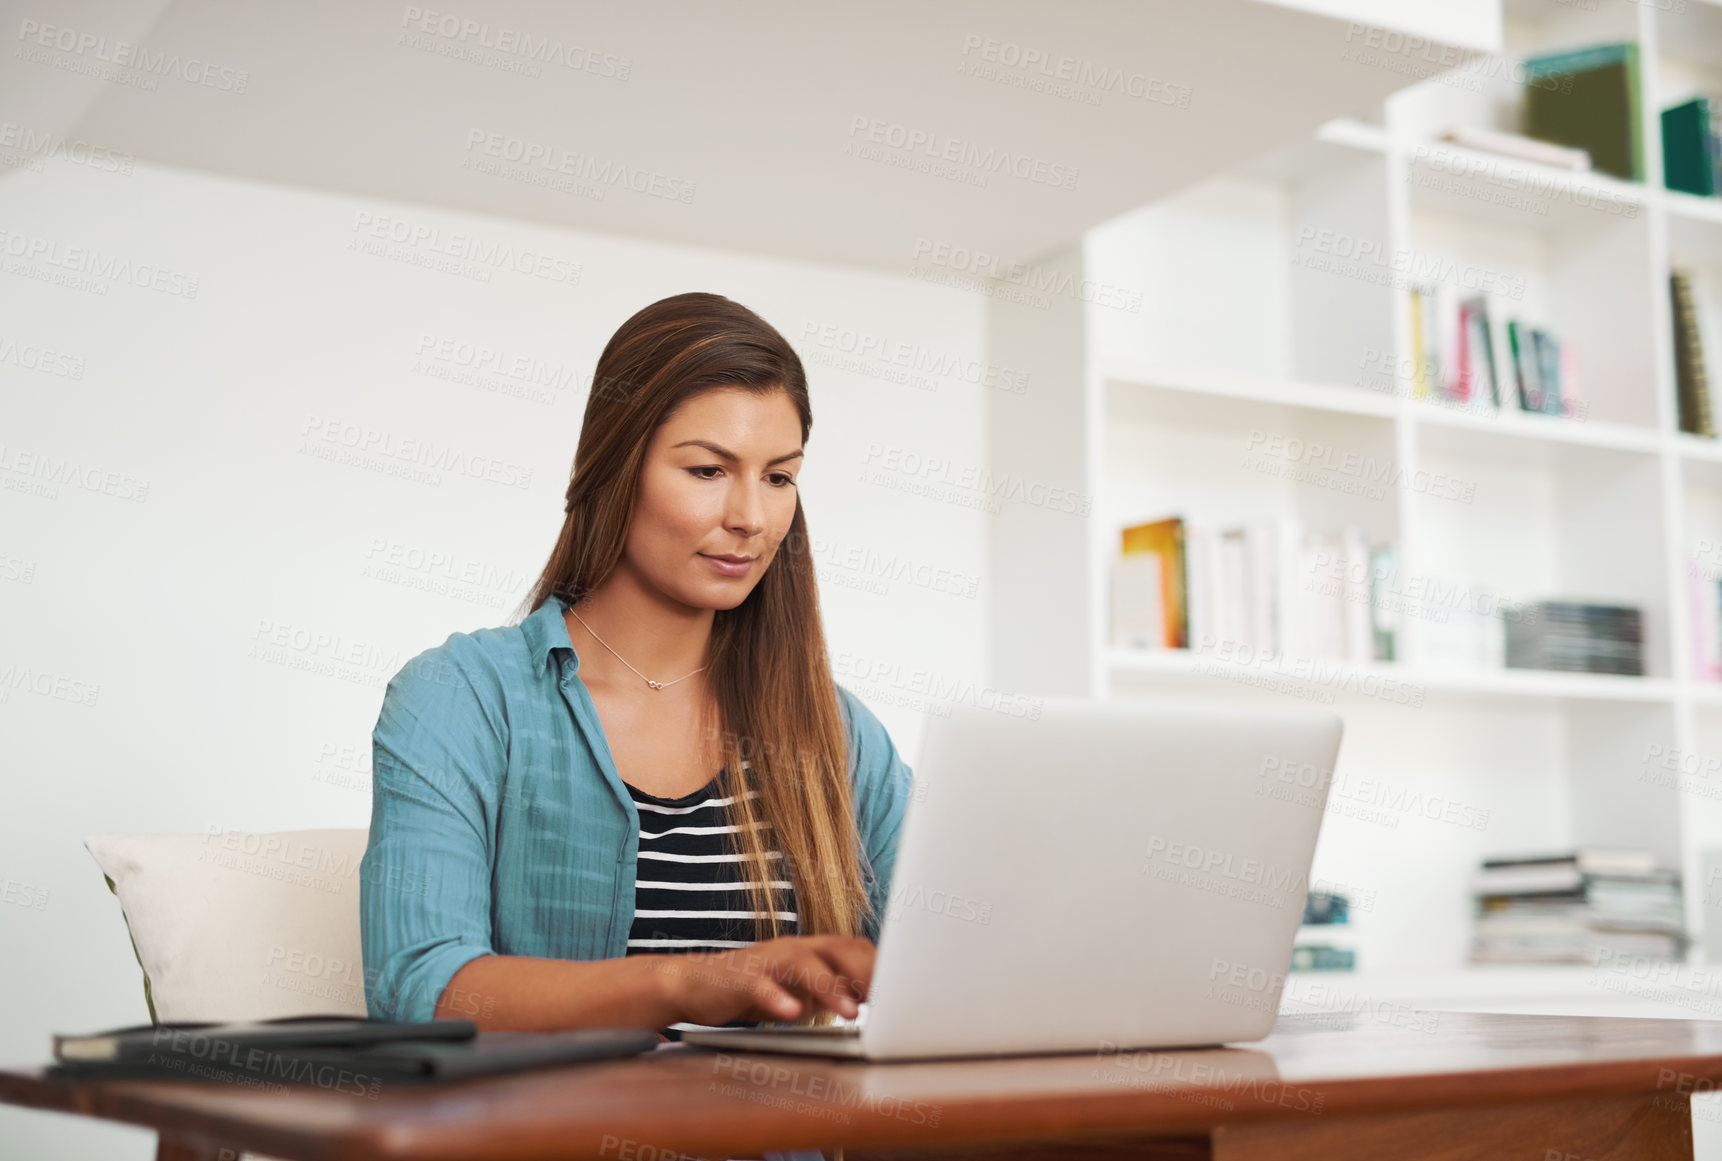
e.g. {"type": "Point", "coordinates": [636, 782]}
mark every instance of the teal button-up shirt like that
{"type": "Point", "coordinates": [500, 826]}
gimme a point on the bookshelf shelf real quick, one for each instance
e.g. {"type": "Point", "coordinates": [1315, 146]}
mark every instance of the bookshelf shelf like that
{"type": "Point", "coordinates": [1687, 993]}
{"type": "Point", "coordinates": [1698, 452]}
{"type": "Point", "coordinates": [1275, 316]}
{"type": "Point", "coordinates": [1684, 207]}
{"type": "Point", "coordinates": [1124, 377]}
{"type": "Point", "coordinates": [1445, 177]}
{"type": "Point", "coordinates": [1192, 662]}
{"type": "Point", "coordinates": [1127, 379]}
{"type": "Point", "coordinates": [1317, 676]}
{"type": "Point", "coordinates": [1522, 426]}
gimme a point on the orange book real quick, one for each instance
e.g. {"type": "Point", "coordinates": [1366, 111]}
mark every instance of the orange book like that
{"type": "Point", "coordinates": [1166, 538]}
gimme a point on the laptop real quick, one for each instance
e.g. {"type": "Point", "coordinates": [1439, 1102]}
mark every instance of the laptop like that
{"type": "Point", "coordinates": [1105, 875]}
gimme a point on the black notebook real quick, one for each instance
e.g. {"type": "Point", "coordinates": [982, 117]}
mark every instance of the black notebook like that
{"type": "Point", "coordinates": [351, 1056]}
{"type": "Point", "coordinates": [140, 1041]}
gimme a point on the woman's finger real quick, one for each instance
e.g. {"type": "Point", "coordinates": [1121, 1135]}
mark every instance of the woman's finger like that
{"type": "Point", "coordinates": [816, 979]}
{"type": "Point", "coordinates": [775, 1000]}
{"type": "Point", "coordinates": [853, 957]}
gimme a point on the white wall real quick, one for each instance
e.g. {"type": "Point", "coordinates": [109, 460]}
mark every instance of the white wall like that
{"type": "Point", "coordinates": [207, 527]}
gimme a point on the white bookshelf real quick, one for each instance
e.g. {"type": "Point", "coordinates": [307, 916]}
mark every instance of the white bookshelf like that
{"type": "Point", "coordinates": [1148, 413]}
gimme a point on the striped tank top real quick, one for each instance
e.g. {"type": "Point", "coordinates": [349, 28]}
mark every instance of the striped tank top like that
{"type": "Point", "coordinates": [691, 883]}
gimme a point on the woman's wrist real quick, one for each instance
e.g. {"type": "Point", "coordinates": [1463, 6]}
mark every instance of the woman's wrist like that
{"type": "Point", "coordinates": [665, 986]}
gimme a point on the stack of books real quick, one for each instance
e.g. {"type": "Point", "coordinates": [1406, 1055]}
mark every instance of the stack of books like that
{"type": "Point", "coordinates": [1464, 360]}
{"type": "Point", "coordinates": [1588, 99]}
{"type": "Point", "coordinates": [1258, 589]}
{"type": "Point", "coordinates": [1574, 906]}
{"type": "Point", "coordinates": [1577, 637]}
{"type": "Point", "coordinates": [1324, 941]}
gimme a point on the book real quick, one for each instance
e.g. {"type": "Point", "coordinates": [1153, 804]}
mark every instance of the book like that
{"type": "Point", "coordinates": [1595, 860]}
{"type": "Point", "coordinates": [1589, 99]}
{"type": "Point", "coordinates": [1713, 589]}
{"type": "Point", "coordinates": [1558, 878]}
{"type": "Point", "coordinates": [1465, 629]}
{"type": "Point", "coordinates": [1525, 370]}
{"type": "Point", "coordinates": [1385, 614]}
{"type": "Point", "coordinates": [1515, 146]}
{"type": "Point", "coordinates": [1568, 906]}
{"type": "Point", "coordinates": [1165, 538]}
{"type": "Point", "coordinates": [1323, 939]}
{"type": "Point", "coordinates": [1138, 601]}
{"type": "Point", "coordinates": [1714, 141]}
{"type": "Point", "coordinates": [1359, 636]}
{"type": "Point", "coordinates": [1264, 588]}
{"type": "Point", "coordinates": [1201, 569]}
{"type": "Point", "coordinates": [1486, 344]}
{"type": "Point", "coordinates": [1460, 389]}
{"type": "Point", "coordinates": [364, 1068]}
{"type": "Point", "coordinates": [1548, 358]}
{"type": "Point", "coordinates": [1692, 384]}
{"type": "Point", "coordinates": [138, 1042]}
{"type": "Point", "coordinates": [1578, 637]}
{"type": "Point", "coordinates": [1233, 621]}
{"type": "Point", "coordinates": [1322, 608]}
{"type": "Point", "coordinates": [1425, 342]}
{"type": "Point", "coordinates": [1325, 907]}
{"type": "Point", "coordinates": [1419, 375]}
{"type": "Point", "coordinates": [1479, 374]}
{"type": "Point", "coordinates": [1321, 957]}
{"type": "Point", "coordinates": [1570, 403]}
{"type": "Point", "coordinates": [1688, 148]}
{"type": "Point", "coordinates": [1274, 556]}
{"type": "Point", "coordinates": [1528, 880]}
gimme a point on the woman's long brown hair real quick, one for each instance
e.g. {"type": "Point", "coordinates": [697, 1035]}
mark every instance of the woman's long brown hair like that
{"type": "Point", "coordinates": [769, 671]}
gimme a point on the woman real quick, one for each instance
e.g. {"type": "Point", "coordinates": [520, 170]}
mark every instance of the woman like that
{"type": "Point", "coordinates": [648, 802]}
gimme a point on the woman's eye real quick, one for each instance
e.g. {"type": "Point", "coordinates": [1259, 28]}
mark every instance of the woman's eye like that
{"type": "Point", "coordinates": [778, 479]}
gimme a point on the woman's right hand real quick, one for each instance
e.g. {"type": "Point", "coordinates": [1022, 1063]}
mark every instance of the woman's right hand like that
{"type": "Point", "coordinates": [776, 979]}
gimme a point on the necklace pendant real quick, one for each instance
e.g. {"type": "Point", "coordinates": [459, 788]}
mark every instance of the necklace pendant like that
{"type": "Point", "coordinates": [654, 684]}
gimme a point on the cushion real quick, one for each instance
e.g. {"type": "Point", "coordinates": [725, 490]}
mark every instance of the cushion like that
{"type": "Point", "coordinates": [234, 925]}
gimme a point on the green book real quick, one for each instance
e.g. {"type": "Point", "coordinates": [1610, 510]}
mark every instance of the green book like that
{"type": "Point", "coordinates": [1688, 164]}
{"type": "Point", "coordinates": [1524, 367]}
{"type": "Point", "coordinates": [1589, 100]}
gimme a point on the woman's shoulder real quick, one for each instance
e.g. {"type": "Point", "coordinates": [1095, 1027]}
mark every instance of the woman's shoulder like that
{"type": "Point", "coordinates": [876, 762]}
{"type": "Point", "coordinates": [856, 713]}
{"type": "Point", "coordinates": [490, 662]}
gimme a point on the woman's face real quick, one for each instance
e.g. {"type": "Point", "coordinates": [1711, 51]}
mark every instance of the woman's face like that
{"type": "Point", "coordinates": [719, 481]}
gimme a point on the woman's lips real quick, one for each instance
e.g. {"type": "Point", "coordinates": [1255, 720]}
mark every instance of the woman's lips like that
{"type": "Point", "coordinates": [729, 567]}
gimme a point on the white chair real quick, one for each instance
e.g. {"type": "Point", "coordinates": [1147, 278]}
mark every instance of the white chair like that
{"type": "Point", "coordinates": [233, 925]}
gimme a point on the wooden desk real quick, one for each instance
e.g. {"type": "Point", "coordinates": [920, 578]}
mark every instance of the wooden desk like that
{"type": "Point", "coordinates": [1410, 1085]}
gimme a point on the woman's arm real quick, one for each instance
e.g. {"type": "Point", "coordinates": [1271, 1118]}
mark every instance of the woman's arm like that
{"type": "Point", "coordinates": [439, 755]}
{"type": "Point", "coordinates": [526, 994]}
{"type": "Point", "coordinates": [777, 979]}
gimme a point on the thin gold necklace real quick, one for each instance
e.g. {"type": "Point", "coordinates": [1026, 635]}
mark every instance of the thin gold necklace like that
{"type": "Point", "coordinates": [624, 660]}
